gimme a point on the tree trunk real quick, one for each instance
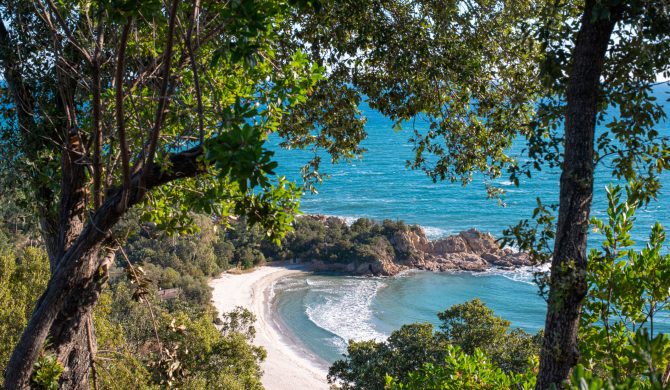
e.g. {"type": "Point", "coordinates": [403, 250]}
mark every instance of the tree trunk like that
{"type": "Point", "coordinates": [71, 332]}
{"type": "Point", "coordinates": [568, 285]}
{"type": "Point", "coordinates": [75, 285]}
{"type": "Point", "coordinates": [68, 334]}
{"type": "Point", "coordinates": [73, 352]}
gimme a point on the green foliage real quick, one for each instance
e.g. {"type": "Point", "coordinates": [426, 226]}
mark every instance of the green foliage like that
{"type": "Point", "coordinates": [143, 342]}
{"type": "Point", "coordinates": [447, 65]}
{"type": "Point", "coordinates": [464, 371]}
{"type": "Point", "coordinates": [183, 262]}
{"type": "Point", "coordinates": [240, 321]}
{"type": "Point", "coordinates": [248, 83]}
{"type": "Point", "coordinates": [472, 325]}
{"type": "Point", "coordinates": [583, 379]}
{"type": "Point", "coordinates": [146, 344]}
{"type": "Point", "coordinates": [444, 63]}
{"type": "Point", "coordinates": [47, 372]}
{"type": "Point", "coordinates": [470, 336]}
{"type": "Point", "coordinates": [331, 240]}
{"type": "Point", "coordinates": [628, 290]}
{"type": "Point", "coordinates": [23, 276]}
{"type": "Point", "coordinates": [368, 362]}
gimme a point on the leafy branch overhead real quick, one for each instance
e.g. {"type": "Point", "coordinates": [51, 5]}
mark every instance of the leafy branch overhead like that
{"type": "Point", "coordinates": [161, 106]}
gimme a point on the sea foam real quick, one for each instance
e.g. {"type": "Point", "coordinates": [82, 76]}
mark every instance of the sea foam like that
{"type": "Point", "coordinates": [521, 274]}
{"type": "Point", "coordinates": [344, 309]}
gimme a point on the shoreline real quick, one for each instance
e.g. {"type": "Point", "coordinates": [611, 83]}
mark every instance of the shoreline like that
{"type": "Point", "coordinates": [286, 365]}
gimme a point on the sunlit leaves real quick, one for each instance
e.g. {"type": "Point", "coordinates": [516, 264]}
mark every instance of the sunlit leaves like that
{"type": "Point", "coordinates": [628, 291]}
{"type": "Point", "coordinates": [463, 371]}
{"type": "Point", "coordinates": [239, 154]}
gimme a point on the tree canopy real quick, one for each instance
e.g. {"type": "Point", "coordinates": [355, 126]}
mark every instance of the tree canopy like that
{"type": "Point", "coordinates": [166, 107]}
{"type": "Point", "coordinates": [106, 105]}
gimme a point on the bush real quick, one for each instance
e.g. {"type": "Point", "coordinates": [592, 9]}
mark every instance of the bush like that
{"type": "Point", "coordinates": [464, 371]}
{"type": "Point", "coordinates": [472, 325]}
{"type": "Point", "coordinates": [24, 274]}
{"type": "Point", "coordinates": [471, 328]}
{"type": "Point", "coordinates": [628, 290]}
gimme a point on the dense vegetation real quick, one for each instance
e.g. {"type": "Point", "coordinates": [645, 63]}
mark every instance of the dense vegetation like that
{"type": "Point", "coordinates": [332, 240]}
{"type": "Point", "coordinates": [468, 329]}
{"type": "Point", "coordinates": [214, 249]}
{"type": "Point", "coordinates": [143, 341]}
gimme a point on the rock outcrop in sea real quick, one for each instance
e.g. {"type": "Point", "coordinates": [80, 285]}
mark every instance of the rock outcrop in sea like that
{"type": "Point", "coordinates": [410, 248]}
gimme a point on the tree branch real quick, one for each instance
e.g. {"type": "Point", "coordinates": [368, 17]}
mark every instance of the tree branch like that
{"type": "Point", "coordinates": [196, 79]}
{"type": "Point", "coordinates": [74, 279]}
{"type": "Point", "coordinates": [120, 124]}
{"type": "Point", "coordinates": [164, 99]}
{"type": "Point", "coordinates": [68, 33]}
{"type": "Point", "coordinates": [97, 128]}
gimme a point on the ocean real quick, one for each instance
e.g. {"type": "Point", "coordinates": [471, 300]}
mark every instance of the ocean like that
{"type": "Point", "coordinates": [325, 311]}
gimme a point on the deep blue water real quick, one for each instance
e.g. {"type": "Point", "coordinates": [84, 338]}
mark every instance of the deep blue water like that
{"type": "Point", "coordinates": [325, 311]}
{"type": "Point", "coordinates": [379, 186]}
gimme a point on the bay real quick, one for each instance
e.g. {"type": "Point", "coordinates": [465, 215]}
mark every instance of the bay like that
{"type": "Point", "coordinates": [325, 311]}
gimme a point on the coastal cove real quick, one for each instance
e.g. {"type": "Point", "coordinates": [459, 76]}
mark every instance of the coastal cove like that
{"type": "Point", "coordinates": [317, 314]}
{"type": "Point", "coordinates": [304, 319]}
{"type": "Point", "coordinates": [335, 280]}
{"type": "Point", "coordinates": [324, 311]}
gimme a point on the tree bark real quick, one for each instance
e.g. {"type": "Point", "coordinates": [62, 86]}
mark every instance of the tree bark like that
{"type": "Point", "coordinates": [73, 351]}
{"type": "Point", "coordinates": [74, 287]}
{"type": "Point", "coordinates": [69, 332]}
{"type": "Point", "coordinates": [568, 284]}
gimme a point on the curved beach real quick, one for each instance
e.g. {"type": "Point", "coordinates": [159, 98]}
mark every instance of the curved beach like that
{"type": "Point", "coordinates": [285, 366]}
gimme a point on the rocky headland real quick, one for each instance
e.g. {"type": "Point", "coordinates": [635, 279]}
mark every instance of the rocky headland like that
{"type": "Point", "coordinates": [389, 247]}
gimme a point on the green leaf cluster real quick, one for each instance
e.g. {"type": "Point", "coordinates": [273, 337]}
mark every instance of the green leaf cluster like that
{"type": "Point", "coordinates": [464, 371]}
{"type": "Point", "coordinates": [470, 338]}
{"type": "Point", "coordinates": [24, 273]}
{"type": "Point", "coordinates": [628, 292]}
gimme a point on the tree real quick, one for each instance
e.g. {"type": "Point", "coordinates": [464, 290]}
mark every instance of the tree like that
{"type": "Point", "coordinates": [463, 371]}
{"type": "Point", "coordinates": [480, 74]}
{"type": "Point", "coordinates": [641, 153]}
{"type": "Point", "coordinates": [469, 333]}
{"type": "Point", "coordinates": [162, 107]}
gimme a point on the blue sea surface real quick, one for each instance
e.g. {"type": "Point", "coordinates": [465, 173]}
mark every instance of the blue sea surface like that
{"type": "Point", "coordinates": [324, 311]}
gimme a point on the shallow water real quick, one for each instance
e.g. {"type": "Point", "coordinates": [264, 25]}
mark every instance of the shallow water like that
{"type": "Point", "coordinates": [324, 311]}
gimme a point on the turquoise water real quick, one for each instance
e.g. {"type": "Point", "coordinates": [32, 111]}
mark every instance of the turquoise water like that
{"type": "Point", "coordinates": [323, 311]}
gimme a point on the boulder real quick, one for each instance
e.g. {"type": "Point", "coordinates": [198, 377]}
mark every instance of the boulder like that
{"type": "Point", "coordinates": [480, 243]}
{"type": "Point", "coordinates": [451, 244]}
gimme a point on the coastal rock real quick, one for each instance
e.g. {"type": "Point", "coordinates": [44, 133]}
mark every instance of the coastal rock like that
{"type": "Point", "coordinates": [480, 243]}
{"type": "Point", "coordinates": [451, 244]}
{"type": "Point", "coordinates": [407, 247]}
{"type": "Point", "coordinates": [412, 241]}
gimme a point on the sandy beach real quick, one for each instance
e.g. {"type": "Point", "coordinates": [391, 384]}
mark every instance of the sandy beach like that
{"type": "Point", "coordinates": [285, 367]}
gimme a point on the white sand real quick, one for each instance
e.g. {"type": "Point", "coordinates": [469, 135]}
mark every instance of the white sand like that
{"type": "Point", "coordinates": [286, 366]}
